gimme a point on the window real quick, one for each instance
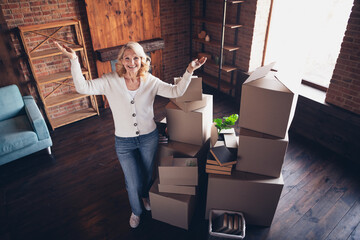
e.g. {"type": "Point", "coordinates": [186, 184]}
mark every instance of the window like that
{"type": "Point", "coordinates": [306, 36]}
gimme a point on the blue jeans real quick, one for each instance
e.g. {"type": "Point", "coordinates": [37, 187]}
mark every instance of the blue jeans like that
{"type": "Point", "coordinates": [136, 156]}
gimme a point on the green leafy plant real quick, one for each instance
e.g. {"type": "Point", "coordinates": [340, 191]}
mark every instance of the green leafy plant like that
{"type": "Point", "coordinates": [225, 122]}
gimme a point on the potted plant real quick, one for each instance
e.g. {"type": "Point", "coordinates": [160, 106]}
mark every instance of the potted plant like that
{"type": "Point", "coordinates": [221, 124]}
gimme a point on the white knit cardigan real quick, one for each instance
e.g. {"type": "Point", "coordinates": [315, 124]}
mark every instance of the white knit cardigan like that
{"type": "Point", "coordinates": [132, 116]}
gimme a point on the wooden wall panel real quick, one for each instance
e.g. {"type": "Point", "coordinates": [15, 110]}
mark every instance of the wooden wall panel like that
{"type": "Point", "coordinates": [116, 22]}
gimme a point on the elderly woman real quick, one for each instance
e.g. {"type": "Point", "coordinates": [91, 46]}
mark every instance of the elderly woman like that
{"type": "Point", "coordinates": [131, 91]}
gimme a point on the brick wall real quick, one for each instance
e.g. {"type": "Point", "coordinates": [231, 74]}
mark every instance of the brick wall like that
{"type": "Point", "coordinates": [250, 37]}
{"type": "Point", "coordinates": [247, 19]}
{"type": "Point", "coordinates": [259, 33]}
{"type": "Point", "coordinates": [18, 13]}
{"type": "Point", "coordinates": [175, 26]}
{"type": "Point", "coordinates": [344, 89]}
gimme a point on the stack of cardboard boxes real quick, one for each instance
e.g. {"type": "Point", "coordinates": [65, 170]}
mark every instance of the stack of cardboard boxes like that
{"type": "Point", "coordinates": [178, 175]}
{"type": "Point", "coordinates": [189, 117]}
{"type": "Point", "coordinates": [181, 160]}
{"type": "Point", "coordinates": [255, 187]}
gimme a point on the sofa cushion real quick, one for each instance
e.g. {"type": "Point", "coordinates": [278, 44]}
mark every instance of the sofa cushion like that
{"type": "Point", "coordinates": [16, 133]}
{"type": "Point", "coordinates": [11, 102]}
{"type": "Point", "coordinates": [35, 118]}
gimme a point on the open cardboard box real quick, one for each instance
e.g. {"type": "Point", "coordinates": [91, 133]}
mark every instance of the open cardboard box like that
{"type": "Point", "coordinates": [190, 190]}
{"type": "Point", "coordinates": [184, 150]}
{"type": "Point", "coordinates": [193, 92]}
{"type": "Point", "coordinates": [171, 208]}
{"type": "Point", "coordinates": [178, 171]}
{"type": "Point", "coordinates": [190, 127]}
{"type": "Point", "coordinates": [230, 140]}
{"type": "Point", "coordinates": [214, 213]}
{"type": "Point", "coordinates": [189, 106]}
{"type": "Point", "coordinates": [180, 149]}
{"type": "Point", "coordinates": [261, 153]}
{"type": "Point", "coordinates": [267, 102]}
{"type": "Point", "coordinates": [256, 196]}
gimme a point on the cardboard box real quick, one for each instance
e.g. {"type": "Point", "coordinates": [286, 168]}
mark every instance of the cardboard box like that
{"type": "Point", "coordinates": [256, 196]}
{"type": "Point", "coordinates": [265, 105]}
{"type": "Point", "coordinates": [193, 92]}
{"type": "Point", "coordinates": [180, 149]}
{"type": "Point", "coordinates": [189, 190]}
{"type": "Point", "coordinates": [213, 135]}
{"type": "Point", "coordinates": [261, 153]}
{"type": "Point", "coordinates": [178, 171]}
{"type": "Point", "coordinates": [171, 208]}
{"type": "Point", "coordinates": [228, 131]}
{"type": "Point", "coordinates": [240, 232]}
{"type": "Point", "coordinates": [228, 136]}
{"type": "Point", "coordinates": [191, 127]}
{"type": "Point", "coordinates": [219, 143]}
{"type": "Point", "coordinates": [190, 105]}
{"type": "Point", "coordinates": [230, 140]}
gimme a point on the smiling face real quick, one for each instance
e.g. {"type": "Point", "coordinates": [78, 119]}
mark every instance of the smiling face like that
{"type": "Point", "coordinates": [131, 61]}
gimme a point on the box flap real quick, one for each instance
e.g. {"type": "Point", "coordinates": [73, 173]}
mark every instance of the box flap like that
{"type": "Point", "coordinates": [174, 100]}
{"type": "Point", "coordinates": [182, 148]}
{"type": "Point", "coordinates": [188, 106]}
{"type": "Point", "coordinates": [230, 140]}
{"type": "Point", "coordinates": [178, 189]}
{"type": "Point", "coordinates": [184, 162]}
{"type": "Point", "coordinates": [250, 177]}
{"type": "Point", "coordinates": [177, 79]}
{"type": "Point", "coordinates": [270, 82]}
{"type": "Point", "coordinates": [213, 135]}
{"type": "Point", "coordinates": [291, 78]}
{"type": "Point", "coordinates": [219, 143]}
{"type": "Point", "coordinates": [174, 196]}
{"type": "Point", "coordinates": [208, 98]}
{"type": "Point", "coordinates": [228, 131]}
{"type": "Point", "coordinates": [251, 133]}
{"type": "Point", "coordinates": [260, 72]}
{"type": "Point", "coordinates": [172, 105]}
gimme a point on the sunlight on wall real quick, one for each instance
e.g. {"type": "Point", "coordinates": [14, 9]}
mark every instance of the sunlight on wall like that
{"type": "Point", "coordinates": [306, 36]}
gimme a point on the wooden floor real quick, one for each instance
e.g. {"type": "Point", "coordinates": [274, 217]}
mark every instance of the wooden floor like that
{"type": "Point", "coordinates": [80, 193]}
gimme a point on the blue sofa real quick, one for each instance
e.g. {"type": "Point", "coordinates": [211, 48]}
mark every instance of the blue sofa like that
{"type": "Point", "coordinates": [22, 127]}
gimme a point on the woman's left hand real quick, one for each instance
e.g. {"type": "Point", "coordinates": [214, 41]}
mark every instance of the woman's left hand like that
{"type": "Point", "coordinates": [195, 64]}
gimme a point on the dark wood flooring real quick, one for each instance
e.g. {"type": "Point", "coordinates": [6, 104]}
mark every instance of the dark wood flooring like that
{"type": "Point", "coordinates": [80, 193]}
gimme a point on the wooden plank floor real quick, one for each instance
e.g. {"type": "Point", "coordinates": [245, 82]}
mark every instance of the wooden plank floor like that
{"type": "Point", "coordinates": [80, 194]}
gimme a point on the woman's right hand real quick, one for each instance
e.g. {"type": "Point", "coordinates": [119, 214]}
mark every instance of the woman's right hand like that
{"type": "Point", "coordinates": [68, 52]}
{"type": "Point", "coordinates": [195, 64]}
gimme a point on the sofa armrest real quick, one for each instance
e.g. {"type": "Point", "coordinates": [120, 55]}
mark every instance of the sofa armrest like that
{"type": "Point", "coordinates": [36, 119]}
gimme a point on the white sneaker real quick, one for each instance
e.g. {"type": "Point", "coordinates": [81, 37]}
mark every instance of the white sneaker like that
{"type": "Point", "coordinates": [134, 220]}
{"type": "Point", "coordinates": [146, 202]}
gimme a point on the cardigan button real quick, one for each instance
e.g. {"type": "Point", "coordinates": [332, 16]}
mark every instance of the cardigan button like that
{"type": "Point", "coordinates": [137, 132]}
{"type": "Point", "coordinates": [132, 102]}
{"type": "Point", "coordinates": [134, 115]}
{"type": "Point", "coordinates": [135, 124]}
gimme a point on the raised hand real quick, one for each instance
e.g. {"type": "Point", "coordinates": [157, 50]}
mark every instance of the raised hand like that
{"type": "Point", "coordinates": [195, 64]}
{"type": "Point", "coordinates": [68, 52]}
